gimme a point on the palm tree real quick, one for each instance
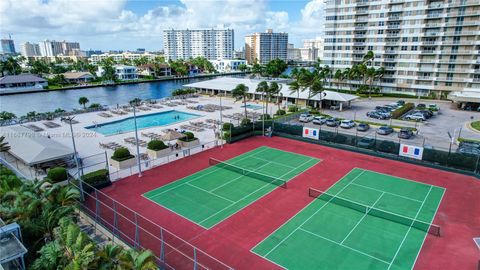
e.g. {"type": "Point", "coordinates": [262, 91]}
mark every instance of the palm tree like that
{"type": "Point", "coordinates": [339, 76]}
{"type": "Point", "coordinates": [138, 260]}
{"type": "Point", "coordinates": [240, 92]}
{"type": "Point", "coordinates": [4, 147]}
{"type": "Point", "coordinates": [368, 57]}
{"type": "Point", "coordinates": [83, 101]}
{"type": "Point", "coordinates": [275, 90]}
{"type": "Point", "coordinates": [262, 87]}
{"type": "Point", "coordinates": [306, 79]}
{"type": "Point", "coordinates": [110, 257]}
{"type": "Point", "coordinates": [295, 88]}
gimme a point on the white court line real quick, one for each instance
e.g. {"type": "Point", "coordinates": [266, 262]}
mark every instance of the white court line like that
{"type": "Point", "coordinates": [410, 228]}
{"type": "Point", "coordinates": [394, 194]}
{"type": "Point", "coordinates": [198, 177]}
{"type": "Point", "coordinates": [288, 220]}
{"type": "Point", "coordinates": [236, 178]}
{"type": "Point", "coordinates": [278, 163]}
{"type": "Point", "coordinates": [311, 216]}
{"type": "Point", "coordinates": [345, 246]}
{"type": "Point", "coordinates": [216, 195]}
{"type": "Point", "coordinates": [248, 195]}
{"type": "Point", "coordinates": [409, 180]}
{"type": "Point", "coordinates": [360, 221]}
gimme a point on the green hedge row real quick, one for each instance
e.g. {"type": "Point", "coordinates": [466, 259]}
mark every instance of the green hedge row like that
{"type": "Point", "coordinates": [403, 110]}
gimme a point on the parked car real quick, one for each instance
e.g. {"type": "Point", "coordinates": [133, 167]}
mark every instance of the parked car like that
{"type": "Point", "coordinates": [405, 133]}
{"type": "Point", "coordinates": [416, 117]}
{"type": "Point", "coordinates": [469, 151]}
{"type": "Point", "coordinates": [363, 127]}
{"type": "Point", "coordinates": [347, 124]}
{"type": "Point", "coordinates": [366, 143]}
{"type": "Point", "coordinates": [384, 130]}
{"type": "Point", "coordinates": [376, 115]}
{"type": "Point", "coordinates": [421, 106]}
{"type": "Point", "coordinates": [332, 122]}
{"type": "Point", "coordinates": [433, 106]}
{"type": "Point", "coordinates": [305, 118]}
{"type": "Point", "coordinates": [401, 102]}
{"type": "Point", "coordinates": [319, 120]}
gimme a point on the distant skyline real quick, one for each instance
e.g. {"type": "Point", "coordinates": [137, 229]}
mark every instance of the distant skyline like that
{"type": "Point", "coordinates": [131, 24]}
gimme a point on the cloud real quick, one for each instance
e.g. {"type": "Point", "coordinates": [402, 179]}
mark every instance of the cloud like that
{"type": "Point", "coordinates": [107, 24]}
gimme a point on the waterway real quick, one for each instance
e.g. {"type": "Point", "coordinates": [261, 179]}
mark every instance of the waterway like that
{"type": "Point", "coordinates": [21, 104]}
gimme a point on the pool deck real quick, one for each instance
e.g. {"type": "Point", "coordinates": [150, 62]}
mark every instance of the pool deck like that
{"type": "Point", "coordinates": [87, 141]}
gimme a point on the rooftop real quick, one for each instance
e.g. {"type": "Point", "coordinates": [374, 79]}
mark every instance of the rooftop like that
{"type": "Point", "coordinates": [22, 78]}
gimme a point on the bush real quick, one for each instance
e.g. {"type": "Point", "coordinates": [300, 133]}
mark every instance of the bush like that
{"type": "Point", "coordinates": [180, 92]}
{"type": "Point", "coordinates": [156, 145]}
{"type": "Point", "coordinates": [402, 110]}
{"type": "Point", "coordinates": [57, 174]}
{"type": "Point", "coordinates": [96, 178]}
{"type": "Point", "coordinates": [227, 126]}
{"type": "Point", "coordinates": [281, 112]}
{"type": "Point", "coordinates": [265, 117]}
{"type": "Point", "coordinates": [245, 122]}
{"type": "Point", "coordinates": [189, 136]}
{"type": "Point", "coordinates": [95, 106]}
{"type": "Point", "coordinates": [292, 109]}
{"type": "Point", "coordinates": [122, 154]}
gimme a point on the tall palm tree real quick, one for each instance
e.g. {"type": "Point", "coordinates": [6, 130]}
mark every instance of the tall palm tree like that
{"type": "Point", "coordinates": [4, 147]}
{"type": "Point", "coordinates": [306, 79]}
{"type": "Point", "coordinates": [262, 88]}
{"type": "Point", "coordinates": [316, 88]}
{"type": "Point", "coordinates": [275, 91]}
{"type": "Point", "coordinates": [83, 101]}
{"type": "Point", "coordinates": [339, 77]}
{"type": "Point", "coordinates": [295, 88]}
{"type": "Point", "coordinates": [368, 57]}
{"type": "Point", "coordinates": [240, 92]}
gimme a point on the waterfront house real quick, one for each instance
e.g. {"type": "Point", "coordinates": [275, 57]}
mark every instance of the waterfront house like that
{"type": "Point", "coordinates": [78, 77]}
{"type": "Point", "coordinates": [227, 65]}
{"type": "Point", "coordinates": [160, 70]}
{"type": "Point", "coordinates": [123, 72]}
{"type": "Point", "coordinates": [22, 82]}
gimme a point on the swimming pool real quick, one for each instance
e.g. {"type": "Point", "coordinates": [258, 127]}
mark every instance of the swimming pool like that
{"type": "Point", "coordinates": [253, 106]}
{"type": "Point", "coordinates": [143, 121]}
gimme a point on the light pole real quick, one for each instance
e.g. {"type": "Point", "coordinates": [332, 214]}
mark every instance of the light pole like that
{"type": "Point", "coordinates": [136, 140]}
{"type": "Point", "coordinates": [263, 116]}
{"type": "Point", "coordinates": [221, 122]}
{"type": "Point", "coordinates": [75, 156]}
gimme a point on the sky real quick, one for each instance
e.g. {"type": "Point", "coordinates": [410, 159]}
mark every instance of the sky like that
{"type": "Point", "coordinates": [131, 24]}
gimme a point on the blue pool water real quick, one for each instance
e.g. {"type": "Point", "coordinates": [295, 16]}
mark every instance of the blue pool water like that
{"type": "Point", "coordinates": [253, 107]}
{"type": "Point", "coordinates": [143, 121]}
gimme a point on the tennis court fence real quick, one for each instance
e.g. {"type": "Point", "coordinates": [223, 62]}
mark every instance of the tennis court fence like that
{"type": "Point", "coordinates": [421, 225]}
{"type": "Point", "coordinates": [127, 225]}
{"type": "Point", "coordinates": [260, 176]}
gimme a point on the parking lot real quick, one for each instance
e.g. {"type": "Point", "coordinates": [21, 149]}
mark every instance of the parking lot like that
{"type": "Point", "coordinates": [431, 133]}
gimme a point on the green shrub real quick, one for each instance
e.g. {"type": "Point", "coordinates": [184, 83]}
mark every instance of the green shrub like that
{"type": "Point", "coordinates": [189, 136]}
{"type": "Point", "coordinates": [122, 154]}
{"type": "Point", "coordinates": [156, 145]}
{"type": "Point", "coordinates": [97, 177]}
{"type": "Point", "coordinates": [402, 110]}
{"type": "Point", "coordinates": [265, 117]}
{"type": "Point", "coordinates": [292, 109]}
{"type": "Point", "coordinates": [388, 147]}
{"type": "Point", "coordinates": [245, 122]}
{"type": "Point", "coordinates": [227, 126]}
{"type": "Point", "coordinates": [57, 174]}
{"type": "Point", "coordinates": [95, 106]}
{"type": "Point", "coordinates": [281, 112]}
{"type": "Point", "coordinates": [180, 92]}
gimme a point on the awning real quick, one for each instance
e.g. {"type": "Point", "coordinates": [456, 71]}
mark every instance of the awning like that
{"type": "Point", "coordinates": [33, 148]}
{"type": "Point", "coordinates": [465, 96]}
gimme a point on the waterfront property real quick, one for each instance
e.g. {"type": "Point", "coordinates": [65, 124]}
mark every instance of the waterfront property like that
{"type": "Point", "coordinates": [143, 121]}
{"type": "Point", "coordinates": [22, 82]}
{"type": "Point", "coordinates": [227, 65]}
{"type": "Point", "coordinates": [123, 72]}
{"type": "Point", "coordinates": [225, 85]}
{"type": "Point", "coordinates": [78, 77]}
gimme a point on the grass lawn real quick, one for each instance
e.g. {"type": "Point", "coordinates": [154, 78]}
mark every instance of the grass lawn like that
{"type": "Point", "coordinates": [476, 125]}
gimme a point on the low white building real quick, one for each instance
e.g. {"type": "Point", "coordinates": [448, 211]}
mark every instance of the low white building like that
{"type": "Point", "coordinates": [96, 58]}
{"type": "Point", "coordinates": [123, 72]}
{"type": "Point", "coordinates": [227, 65]}
{"type": "Point", "coordinates": [21, 82]}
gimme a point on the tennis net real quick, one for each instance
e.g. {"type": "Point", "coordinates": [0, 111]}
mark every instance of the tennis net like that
{"type": "Point", "coordinates": [250, 173]}
{"type": "Point", "coordinates": [421, 225]}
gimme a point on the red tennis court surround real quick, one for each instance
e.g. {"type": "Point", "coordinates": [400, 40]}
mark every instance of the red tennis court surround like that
{"type": "Point", "coordinates": [231, 240]}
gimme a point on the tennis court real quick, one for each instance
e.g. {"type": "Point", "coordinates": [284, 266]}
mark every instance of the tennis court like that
{"type": "Point", "coordinates": [367, 220]}
{"type": "Point", "coordinates": [213, 194]}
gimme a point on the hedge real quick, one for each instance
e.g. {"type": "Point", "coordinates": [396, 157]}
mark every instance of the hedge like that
{"type": "Point", "coordinates": [227, 126]}
{"type": "Point", "coordinates": [97, 179]}
{"type": "Point", "coordinates": [292, 108]}
{"type": "Point", "coordinates": [189, 136]}
{"type": "Point", "coordinates": [245, 122]}
{"type": "Point", "coordinates": [57, 174]}
{"type": "Point", "coordinates": [281, 112]}
{"type": "Point", "coordinates": [156, 145]}
{"type": "Point", "coordinates": [403, 110]}
{"type": "Point", "coordinates": [122, 154]}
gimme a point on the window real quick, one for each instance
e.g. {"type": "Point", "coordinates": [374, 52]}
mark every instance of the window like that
{"type": "Point", "coordinates": [414, 48]}
{"type": "Point", "coordinates": [404, 48]}
{"type": "Point", "coordinates": [415, 39]}
{"type": "Point", "coordinates": [404, 39]}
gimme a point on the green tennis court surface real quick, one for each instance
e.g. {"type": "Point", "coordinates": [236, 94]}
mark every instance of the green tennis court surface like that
{"type": "Point", "coordinates": [212, 195]}
{"type": "Point", "coordinates": [366, 220]}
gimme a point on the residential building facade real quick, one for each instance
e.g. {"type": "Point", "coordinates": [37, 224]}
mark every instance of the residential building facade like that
{"type": "Point", "coordinates": [425, 46]}
{"type": "Point", "coordinates": [293, 54]}
{"type": "Point", "coordinates": [209, 43]}
{"type": "Point", "coordinates": [30, 49]}
{"type": "Point", "coordinates": [263, 47]}
{"type": "Point", "coordinates": [227, 65]}
{"type": "Point", "coordinates": [123, 72]}
{"type": "Point", "coordinates": [22, 82]}
{"type": "Point", "coordinates": [8, 47]}
{"type": "Point", "coordinates": [96, 58]}
{"type": "Point", "coordinates": [312, 50]}
{"type": "Point", "coordinates": [50, 48]}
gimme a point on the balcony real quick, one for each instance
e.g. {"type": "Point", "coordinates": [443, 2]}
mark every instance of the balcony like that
{"type": "Point", "coordinates": [433, 25]}
{"type": "Point", "coordinates": [393, 26]}
{"type": "Point", "coordinates": [360, 35]}
{"type": "Point", "coordinates": [434, 15]}
{"type": "Point", "coordinates": [392, 34]}
{"type": "Point", "coordinates": [425, 78]}
{"type": "Point", "coordinates": [362, 3]}
{"type": "Point", "coordinates": [429, 52]}
{"type": "Point", "coordinates": [391, 52]}
{"type": "Point", "coordinates": [392, 43]}
{"type": "Point", "coordinates": [432, 34]}
{"type": "Point", "coordinates": [456, 14]}
{"type": "Point", "coordinates": [390, 60]}
{"type": "Point", "coordinates": [359, 44]}
{"type": "Point", "coordinates": [394, 18]}
{"type": "Point", "coordinates": [361, 27]}
{"type": "Point", "coordinates": [462, 33]}
{"type": "Point", "coordinates": [457, 52]}
{"type": "Point", "coordinates": [361, 11]}
{"type": "Point", "coordinates": [431, 43]}
{"type": "Point", "coordinates": [435, 6]}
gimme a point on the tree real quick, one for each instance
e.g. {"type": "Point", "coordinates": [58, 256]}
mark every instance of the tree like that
{"type": "Point", "coordinates": [135, 102]}
{"type": "Point", "coordinates": [339, 77]}
{"type": "Point", "coordinates": [10, 66]}
{"type": "Point", "coordinates": [275, 67]}
{"type": "Point", "coordinates": [262, 88]}
{"type": "Point", "coordinates": [83, 101]}
{"type": "Point", "coordinates": [39, 67]}
{"type": "Point", "coordinates": [306, 80]}
{"type": "Point", "coordinates": [108, 73]}
{"type": "Point", "coordinates": [368, 57]}
{"type": "Point", "coordinates": [295, 88]}
{"type": "Point", "coordinates": [7, 115]}
{"type": "Point", "coordinates": [4, 147]}
{"type": "Point", "coordinates": [275, 90]}
{"type": "Point", "coordinates": [138, 260]}
{"type": "Point", "coordinates": [257, 70]}
{"type": "Point", "coordinates": [242, 67]}
{"type": "Point", "coordinates": [240, 92]}
{"type": "Point", "coordinates": [179, 67]}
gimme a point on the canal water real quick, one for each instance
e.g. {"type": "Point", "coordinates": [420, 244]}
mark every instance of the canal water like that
{"type": "Point", "coordinates": [21, 104]}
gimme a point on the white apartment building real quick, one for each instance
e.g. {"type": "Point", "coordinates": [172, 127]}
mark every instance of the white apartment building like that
{"type": "Point", "coordinates": [30, 49]}
{"type": "Point", "coordinates": [425, 46]}
{"type": "Point", "coordinates": [312, 49]}
{"type": "Point", "coordinates": [263, 47]}
{"type": "Point", "coordinates": [53, 48]}
{"type": "Point", "coordinates": [96, 58]}
{"type": "Point", "coordinates": [293, 54]}
{"type": "Point", "coordinates": [123, 72]}
{"type": "Point", "coordinates": [209, 43]}
{"type": "Point", "coordinates": [227, 65]}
